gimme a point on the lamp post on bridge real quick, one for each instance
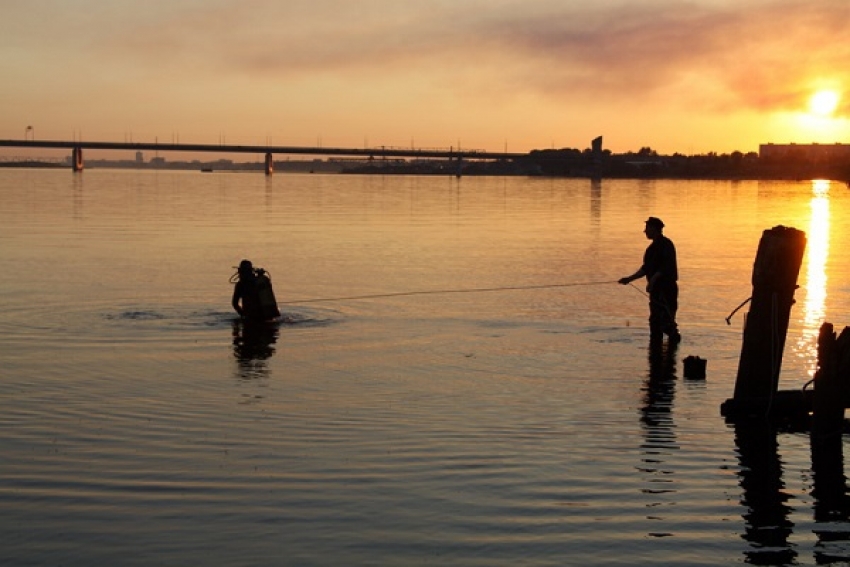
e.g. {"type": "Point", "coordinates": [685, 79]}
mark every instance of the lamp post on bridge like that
{"type": "Point", "coordinates": [29, 132]}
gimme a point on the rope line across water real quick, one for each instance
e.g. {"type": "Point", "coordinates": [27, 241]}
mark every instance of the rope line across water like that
{"type": "Point", "coordinates": [443, 291]}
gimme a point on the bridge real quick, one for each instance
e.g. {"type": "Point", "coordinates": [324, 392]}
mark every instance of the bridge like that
{"type": "Point", "coordinates": [76, 147]}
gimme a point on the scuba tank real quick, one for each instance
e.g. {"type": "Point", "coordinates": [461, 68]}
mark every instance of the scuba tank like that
{"type": "Point", "coordinates": [268, 303]}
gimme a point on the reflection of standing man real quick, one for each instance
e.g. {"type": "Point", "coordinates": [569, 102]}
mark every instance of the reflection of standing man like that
{"type": "Point", "coordinates": [662, 273]}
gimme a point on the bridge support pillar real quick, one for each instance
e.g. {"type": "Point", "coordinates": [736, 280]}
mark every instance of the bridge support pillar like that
{"type": "Point", "coordinates": [269, 163]}
{"type": "Point", "coordinates": [77, 158]}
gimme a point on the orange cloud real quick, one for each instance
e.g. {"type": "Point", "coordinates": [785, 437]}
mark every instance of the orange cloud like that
{"type": "Point", "coordinates": [762, 55]}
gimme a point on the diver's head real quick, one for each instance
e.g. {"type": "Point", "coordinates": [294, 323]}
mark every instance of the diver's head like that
{"type": "Point", "coordinates": [246, 267]}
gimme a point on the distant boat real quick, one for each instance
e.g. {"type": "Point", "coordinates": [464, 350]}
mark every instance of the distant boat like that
{"type": "Point", "coordinates": [206, 169]}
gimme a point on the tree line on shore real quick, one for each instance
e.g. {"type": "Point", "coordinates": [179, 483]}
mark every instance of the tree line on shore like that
{"type": "Point", "coordinates": [644, 163]}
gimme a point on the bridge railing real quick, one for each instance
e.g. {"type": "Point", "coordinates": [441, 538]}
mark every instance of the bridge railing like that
{"type": "Point", "coordinates": [425, 150]}
{"type": "Point", "coordinates": [28, 159]}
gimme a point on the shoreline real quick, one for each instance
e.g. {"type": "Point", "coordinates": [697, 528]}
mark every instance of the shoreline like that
{"type": "Point", "coordinates": [565, 163]}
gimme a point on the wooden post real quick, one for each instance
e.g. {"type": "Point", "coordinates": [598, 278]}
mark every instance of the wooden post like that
{"type": "Point", "coordinates": [775, 272]}
{"type": "Point", "coordinates": [830, 399]}
{"type": "Point", "coordinates": [831, 381]}
{"type": "Point", "coordinates": [269, 163]}
{"type": "Point", "coordinates": [77, 158]}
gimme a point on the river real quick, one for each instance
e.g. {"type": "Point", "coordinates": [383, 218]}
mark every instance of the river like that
{"type": "Point", "coordinates": [457, 380]}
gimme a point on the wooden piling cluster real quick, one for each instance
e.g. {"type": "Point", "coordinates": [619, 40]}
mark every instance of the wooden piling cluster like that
{"type": "Point", "coordinates": [775, 272]}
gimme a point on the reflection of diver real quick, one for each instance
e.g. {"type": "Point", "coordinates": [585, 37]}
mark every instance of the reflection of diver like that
{"type": "Point", "coordinates": [253, 297]}
{"type": "Point", "coordinates": [252, 346]}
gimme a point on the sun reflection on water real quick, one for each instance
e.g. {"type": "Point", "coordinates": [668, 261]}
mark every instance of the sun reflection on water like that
{"type": "Point", "coordinates": [816, 277]}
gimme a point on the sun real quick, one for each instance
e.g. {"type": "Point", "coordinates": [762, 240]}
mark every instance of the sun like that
{"type": "Point", "coordinates": [824, 102]}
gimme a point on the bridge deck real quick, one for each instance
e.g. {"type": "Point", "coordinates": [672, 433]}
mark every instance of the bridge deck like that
{"type": "Point", "coordinates": [266, 149]}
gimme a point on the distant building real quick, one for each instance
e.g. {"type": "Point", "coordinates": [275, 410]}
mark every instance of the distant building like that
{"type": "Point", "coordinates": [140, 157]}
{"type": "Point", "coordinates": [807, 152]}
{"type": "Point", "coordinates": [596, 145]}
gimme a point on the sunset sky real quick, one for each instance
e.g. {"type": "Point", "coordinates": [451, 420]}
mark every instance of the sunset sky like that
{"type": "Point", "coordinates": [676, 75]}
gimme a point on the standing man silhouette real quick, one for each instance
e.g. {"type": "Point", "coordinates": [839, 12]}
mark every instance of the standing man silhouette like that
{"type": "Point", "coordinates": [662, 274]}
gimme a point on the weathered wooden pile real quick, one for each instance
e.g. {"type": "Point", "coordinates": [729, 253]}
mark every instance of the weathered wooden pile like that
{"type": "Point", "coordinates": [757, 395]}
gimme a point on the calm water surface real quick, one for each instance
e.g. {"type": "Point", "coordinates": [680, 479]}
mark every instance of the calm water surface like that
{"type": "Point", "coordinates": [142, 425]}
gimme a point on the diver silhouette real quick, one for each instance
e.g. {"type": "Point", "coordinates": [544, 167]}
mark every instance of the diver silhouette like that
{"type": "Point", "coordinates": [253, 296]}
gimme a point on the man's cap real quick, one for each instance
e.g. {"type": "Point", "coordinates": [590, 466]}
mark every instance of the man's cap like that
{"type": "Point", "coordinates": [246, 265]}
{"type": "Point", "coordinates": [655, 221]}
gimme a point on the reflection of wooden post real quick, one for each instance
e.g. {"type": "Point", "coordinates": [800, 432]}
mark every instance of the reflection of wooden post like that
{"type": "Point", "coordinates": [775, 272]}
{"type": "Point", "coordinates": [764, 500]}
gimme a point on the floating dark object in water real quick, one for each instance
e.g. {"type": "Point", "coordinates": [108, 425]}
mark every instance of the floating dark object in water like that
{"type": "Point", "coordinates": [695, 367]}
